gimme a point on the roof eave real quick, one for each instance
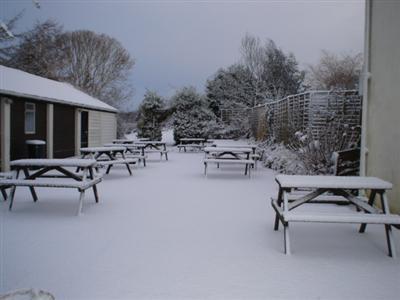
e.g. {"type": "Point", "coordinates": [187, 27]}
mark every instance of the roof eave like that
{"type": "Point", "coordinates": [52, 100]}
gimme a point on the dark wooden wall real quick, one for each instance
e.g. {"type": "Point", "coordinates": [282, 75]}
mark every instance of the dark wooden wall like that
{"type": "Point", "coordinates": [64, 131]}
{"type": "Point", "coordinates": [18, 136]}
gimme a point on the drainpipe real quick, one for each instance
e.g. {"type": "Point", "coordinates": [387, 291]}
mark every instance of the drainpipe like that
{"type": "Point", "coordinates": [365, 88]}
{"type": "Point", "coordinates": [5, 133]}
{"type": "Point", "coordinates": [77, 131]}
{"type": "Point", "coordinates": [50, 130]}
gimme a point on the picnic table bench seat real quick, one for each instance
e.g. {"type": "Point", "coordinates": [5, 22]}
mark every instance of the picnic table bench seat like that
{"type": "Point", "coordinates": [351, 218]}
{"type": "Point", "coordinates": [80, 185]}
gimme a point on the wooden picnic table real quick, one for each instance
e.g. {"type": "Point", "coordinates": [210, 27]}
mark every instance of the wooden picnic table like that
{"type": "Point", "coordinates": [341, 187]}
{"type": "Point", "coordinates": [123, 141]}
{"type": "Point", "coordinates": [228, 155]}
{"type": "Point", "coordinates": [128, 141]}
{"type": "Point", "coordinates": [195, 143]}
{"type": "Point", "coordinates": [228, 152]}
{"type": "Point", "coordinates": [251, 146]}
{"type": "Point", "coordinates": [107, 156]}
{"type": "Point", "coordinates": [153, 146]}
{"type": "Point", "coordinates": [37, 170]}
{"type": "Point", "coordinates": [131, 151]}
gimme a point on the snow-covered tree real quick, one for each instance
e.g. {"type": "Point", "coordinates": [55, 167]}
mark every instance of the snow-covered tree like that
{"type": "Point", "coordinates": [192, 116]}
{"type": "Point", "coordinates": [231, 88]}
{"type": "Point", "coordinates": [150, 116]}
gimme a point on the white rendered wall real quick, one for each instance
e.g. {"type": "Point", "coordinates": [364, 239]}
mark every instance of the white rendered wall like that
{"type": "Point", "coordinates": [383, 115]}
{"type": "Point", "coordinates": [102, 128]}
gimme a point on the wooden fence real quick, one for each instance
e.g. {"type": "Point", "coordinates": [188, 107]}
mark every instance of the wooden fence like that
{"type": "Point", "coordinates": [305, 112]}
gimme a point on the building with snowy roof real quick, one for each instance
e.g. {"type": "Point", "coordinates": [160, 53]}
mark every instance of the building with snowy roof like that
{"type": "Point", "coordinates": [37, 108]}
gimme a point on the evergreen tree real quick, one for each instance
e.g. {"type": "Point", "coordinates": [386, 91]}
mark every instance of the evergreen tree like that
{"type": "Point", "coordinates": [150, 116]}
{"type": "Point", "coordinates": [192, 116]}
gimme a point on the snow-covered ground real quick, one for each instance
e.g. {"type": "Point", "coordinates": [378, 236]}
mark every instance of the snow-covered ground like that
{"type": "Point", "coordinates": [169, 233]}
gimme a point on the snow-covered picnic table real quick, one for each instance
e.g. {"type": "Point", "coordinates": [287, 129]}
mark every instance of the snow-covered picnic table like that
{"type": "Point", "coordinates": [228, 155]}
{"type": "Point", "coordinates": [153, 146]}
{"type": "Point", "coordinates": [129, 141]}
{"type": "Point", "coordinates": [222, 144]}
{"type": "Point", "coordinates": [107, 157]}
{"type": "Point", "coordinates": [38, 173]}
{"type": "Point", "coordinates": [123, 141]}
{"type": "Point", "coordinates": [342, 187]}
{"type": "Point", "coordinates": [194, 143]}
{"type": "Point", "coordinates": [131, 151]}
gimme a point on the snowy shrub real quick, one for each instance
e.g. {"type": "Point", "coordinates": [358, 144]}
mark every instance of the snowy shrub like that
{"type": "Point", "coordinates": [236, 128]}
{"type": "Point", "coordinates": [316, 153]}
{"type": "Point", "coordinates": [192, 117]}
{"type": "Point", "coordinates": [280, 158]}
{"type": "Point", "coordinates": [150, 116]}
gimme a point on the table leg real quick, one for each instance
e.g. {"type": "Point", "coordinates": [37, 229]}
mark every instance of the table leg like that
{"type": "Point", "coordinates": [11, 196]}
{"type": "Point", "coordinates": [279, 201]}
{"type": "Point", "coordinates": [81, 197]}
{"type": "Point", "coordinates": [108, 169]}
{"type": "Point", "coordinates": [371, 201]}
{"type": "Point", "coordinates": [129, 169]}
{"type": "Point", "coordinates": [388, 227]}
{"type": "Point", "coordinates": [96, 195]}
{"type": "Point", "coordinates": [286, 238]}
{"type": "Point", "coordinates": [286, 224]}
{"type": "Point", "coordinates": [3, 192]}
{"type": "Point", "coordinates": [32, 189]}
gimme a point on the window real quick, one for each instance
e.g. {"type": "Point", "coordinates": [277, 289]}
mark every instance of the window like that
{"type": "Point", "coordinates": [30, 116]}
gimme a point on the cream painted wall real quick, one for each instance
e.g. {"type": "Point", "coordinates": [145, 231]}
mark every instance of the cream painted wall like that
{"type": "Point", "coordinates": [383, 123]}
{"type": "Point", "coordinates": [102, 128]}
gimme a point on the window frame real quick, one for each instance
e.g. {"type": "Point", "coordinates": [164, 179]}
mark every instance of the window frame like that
{"type": "Point", "coordinates": [30, 108]}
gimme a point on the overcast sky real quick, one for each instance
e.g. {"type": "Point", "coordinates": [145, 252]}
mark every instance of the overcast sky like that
{"type": "Point", "coordinates": [179, 43]}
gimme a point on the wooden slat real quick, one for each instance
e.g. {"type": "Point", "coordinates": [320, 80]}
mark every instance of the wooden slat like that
{"type": "Point", "coordinates": [354, 218]}
{"type": "Point", "coordinates": [359, 203]}
{"type": "Point", "coordinates": [306, 198]}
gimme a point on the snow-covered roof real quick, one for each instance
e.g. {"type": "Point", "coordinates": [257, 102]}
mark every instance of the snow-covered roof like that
{"type": "Point", "coordinates": [22, 84]}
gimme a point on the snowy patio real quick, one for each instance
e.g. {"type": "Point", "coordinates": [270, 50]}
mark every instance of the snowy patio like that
{"type": "Point", "coordinates": [167, 232]}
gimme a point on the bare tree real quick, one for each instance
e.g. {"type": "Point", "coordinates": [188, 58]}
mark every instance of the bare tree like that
{"type": "Point", "coordinates": [335, 71]}
{"type": "Point", "coordinates": [98, 64]}
{"type": "Point", "coordinates": [8, 38]}
{"type": "Point", "coordinates": [275, 73]}
{"type": "Point", "coordinates": [38, 51]}
{"type": "Point", "coordinates": [95, 63]}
